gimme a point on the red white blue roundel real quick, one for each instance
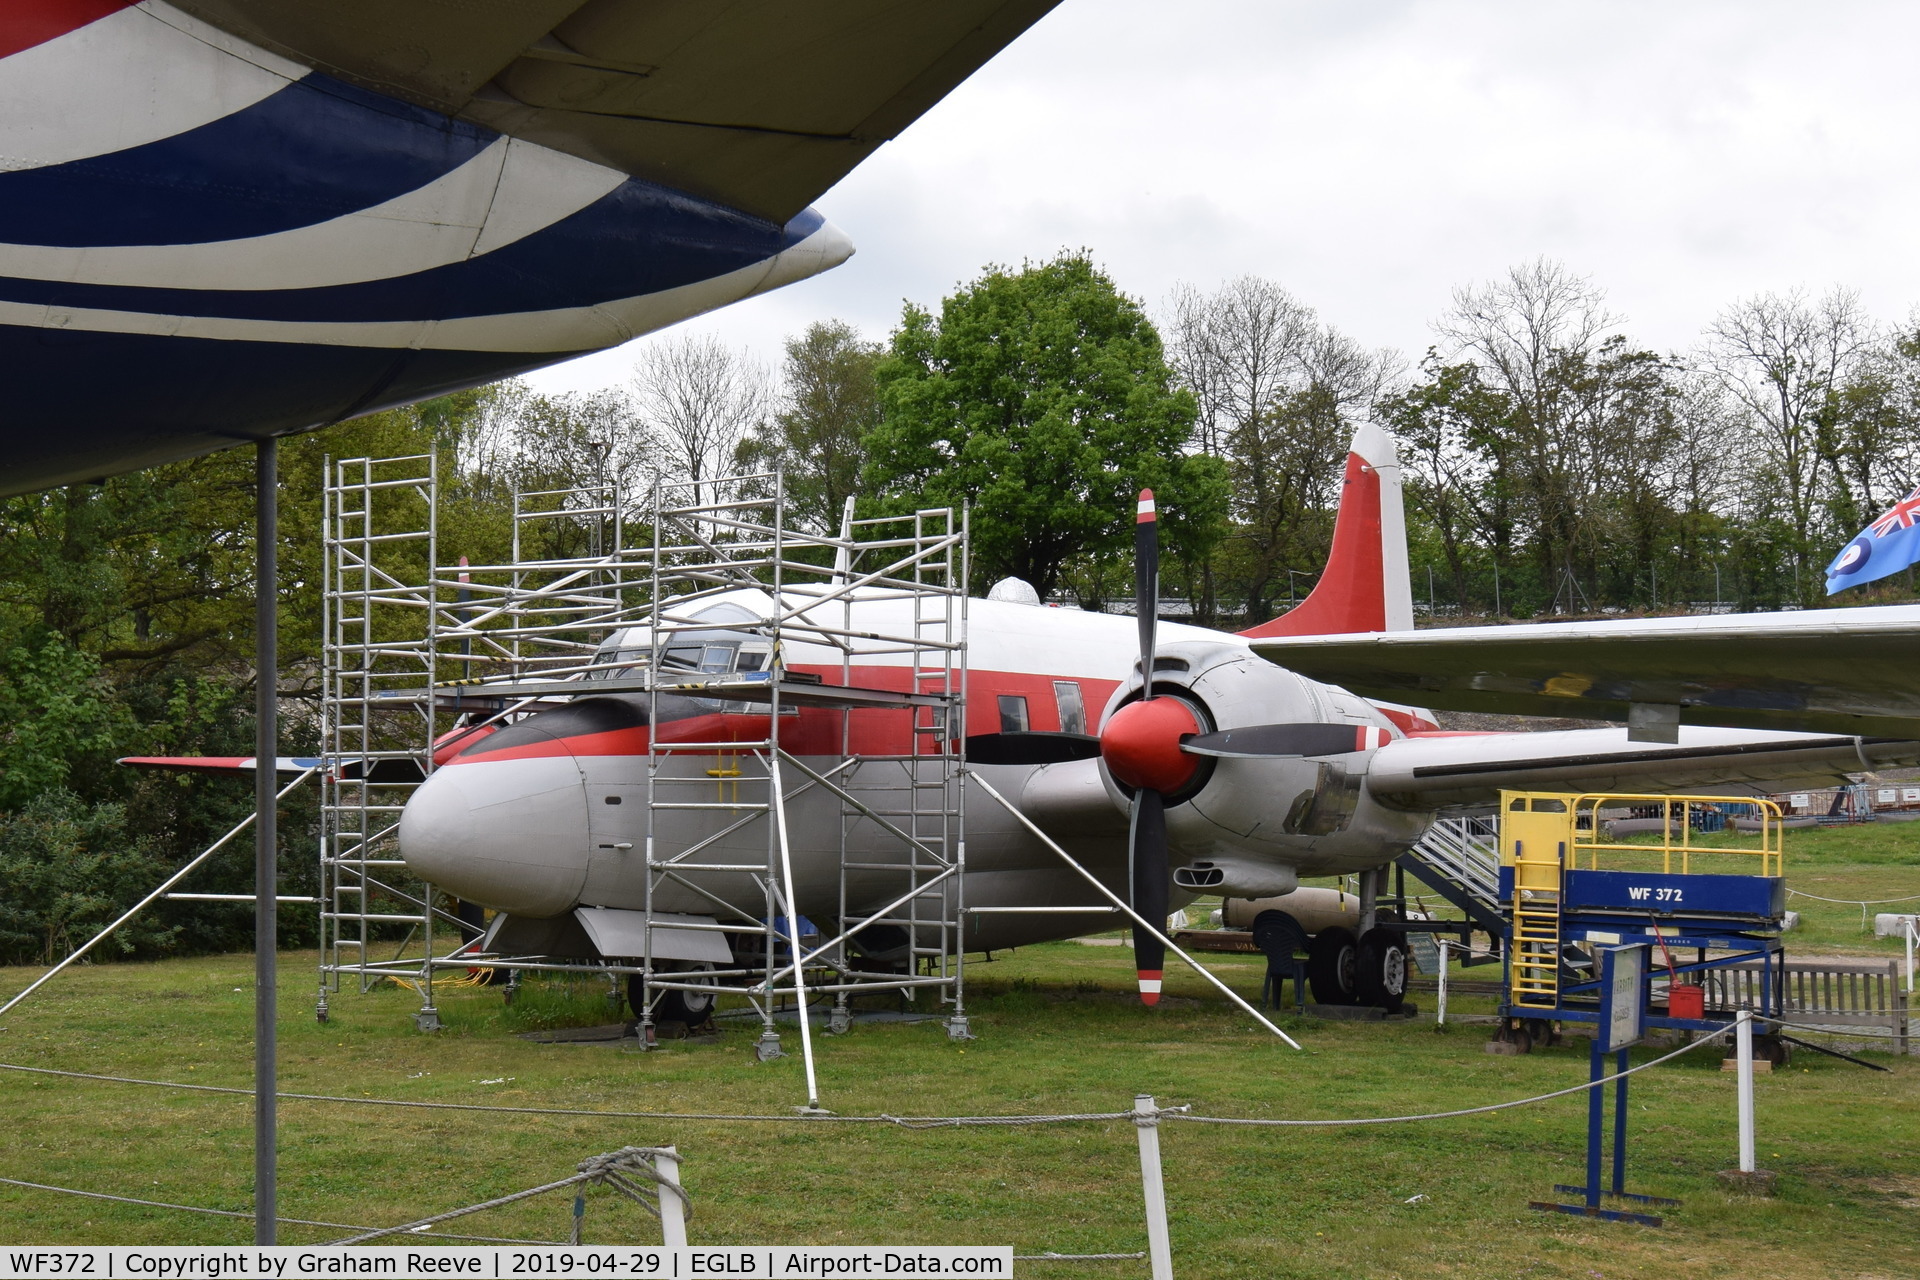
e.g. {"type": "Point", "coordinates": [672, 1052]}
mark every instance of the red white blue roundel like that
{"type": "Point", "coordinates": [1854, 558]}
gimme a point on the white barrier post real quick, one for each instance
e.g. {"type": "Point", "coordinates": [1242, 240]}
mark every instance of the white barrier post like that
{"type": "Point", "coordinates": [1146, 1124]}
{"type": "Point", "coordinates": [1913, 936]}
{"type": "Point", "coordinates": [1440, 1005]}
{"type": "Point", "coordinates": [673, 1207]}
{"type": "Point", "coordinates": [1743, 1041]}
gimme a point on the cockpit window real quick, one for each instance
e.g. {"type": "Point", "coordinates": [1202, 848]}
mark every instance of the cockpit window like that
{"type": "Point", "coordinates": [718, 652]}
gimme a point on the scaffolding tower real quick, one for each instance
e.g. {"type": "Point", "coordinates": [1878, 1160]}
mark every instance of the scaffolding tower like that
{"type": "Point", "coordinates": [834, 828]}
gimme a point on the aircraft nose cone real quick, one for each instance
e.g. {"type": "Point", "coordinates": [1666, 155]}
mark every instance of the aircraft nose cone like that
{"type": "Point", "coordinates": [509, 834]}
{"type": "Point", "coordinates": [1141, 744]}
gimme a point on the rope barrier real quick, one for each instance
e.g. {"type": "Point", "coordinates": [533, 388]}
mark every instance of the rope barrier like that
{"type": "Point", "coordinates": [1830, 1029]}
{"type": "Point", "coordinates": [903, 1122]}
{"type": "Point", "coordinates": [231, 1213]}
{"type": "Point", "coordinates": [1855, 902]}
{"type": "Point", "coordinates": [1180, 1113]}
{"type": "Point", "coordinates": [1079, 1257]}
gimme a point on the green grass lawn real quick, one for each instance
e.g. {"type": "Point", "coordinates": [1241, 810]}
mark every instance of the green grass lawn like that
{"type": "Point", "coordinates": [1059, 1031]}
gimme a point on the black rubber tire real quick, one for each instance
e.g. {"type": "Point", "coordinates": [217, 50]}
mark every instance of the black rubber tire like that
{"type": "Point", "coordinates": [1380, 970]}
{"type": "Point", "coordinates": [689, 1007]}
{"type": "Point", "coordinates": [1772, 1049]}
{"type": "Point", "coordinates": [1330, 966]}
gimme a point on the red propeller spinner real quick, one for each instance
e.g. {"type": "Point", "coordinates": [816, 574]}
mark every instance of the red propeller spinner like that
{"type": "Point", "coordinates": [1141, 744]}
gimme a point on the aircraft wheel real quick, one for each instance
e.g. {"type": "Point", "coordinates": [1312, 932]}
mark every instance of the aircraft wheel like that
{"type": "Point", "coordinates": [1380, 970]}
{"type": "Point", "coordinates": [1330, 966]}
{"type": "Point", "coordinates": [690, 1007]}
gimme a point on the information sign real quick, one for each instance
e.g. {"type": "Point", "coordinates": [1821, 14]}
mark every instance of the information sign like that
{"type": "Point", "coordinates": [1623, 987]}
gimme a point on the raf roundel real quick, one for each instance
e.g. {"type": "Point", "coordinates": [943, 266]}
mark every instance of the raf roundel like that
{"type": "Point", "coordinates": [1855, 557]}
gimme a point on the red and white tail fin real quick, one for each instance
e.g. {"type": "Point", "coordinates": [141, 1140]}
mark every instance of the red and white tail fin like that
{"type": "Point", "coordinates": [1365, 586]}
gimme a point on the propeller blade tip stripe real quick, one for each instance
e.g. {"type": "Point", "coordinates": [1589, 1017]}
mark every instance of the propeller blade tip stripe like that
{"type": "Point", "coordinates": [1147, 512]}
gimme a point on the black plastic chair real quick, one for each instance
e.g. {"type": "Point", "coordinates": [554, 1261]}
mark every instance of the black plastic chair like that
{"type": "Point", "coordinates": [1281, 939]}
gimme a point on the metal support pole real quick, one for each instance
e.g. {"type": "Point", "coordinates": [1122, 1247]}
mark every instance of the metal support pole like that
{"type": "Point", "coordinates": [792, 903]}
{"type": "Point", "coordinates": [673, 1205]}
{"type": "Point", "coordinates": [1596, 1117]}
{"type": "Point", "coordinates": [266, 869]}
{"type": "Point", "coordinates": [1443, 945]}
{"type": "Point", "coordinates": [1619, 1123]}
{"type": "Point", "coordinates": [1146, 1125]}
{"type": "Point", "coordinates": [1743, 1049]}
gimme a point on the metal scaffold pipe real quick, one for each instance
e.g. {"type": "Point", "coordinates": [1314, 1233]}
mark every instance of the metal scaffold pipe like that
{"type": "Point", "coordinates": [266, 868]}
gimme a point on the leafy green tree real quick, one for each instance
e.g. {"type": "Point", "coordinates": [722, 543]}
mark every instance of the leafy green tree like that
{"type": "Point", "coordinates": [1441, 423]}
{"type": "Point", "coordinates": [58, 717]}
{"type": "Point", "coordinates": [817, 437]}
{"type": "Point", "coordinates": [69, 867]}
{"type": "Point", "coordinates": [1042, 399]}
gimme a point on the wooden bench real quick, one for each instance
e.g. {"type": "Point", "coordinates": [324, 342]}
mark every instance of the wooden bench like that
{"type": "Point", "coordinates": [1832, 993]}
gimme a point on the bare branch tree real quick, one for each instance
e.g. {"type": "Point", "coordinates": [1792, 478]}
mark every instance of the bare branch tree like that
{"type": "Point", "coordinates": [1239, 350]}
{"type": "Point", "coordinates": [1784, 360]}
{"type": "Point", "coordinates": [1516, 328]}
{"type": "Point", "coordinates": [698, 400]}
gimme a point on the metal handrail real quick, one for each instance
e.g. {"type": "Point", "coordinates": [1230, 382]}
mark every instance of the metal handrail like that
{"type": "Point", "coordinates": [1585, 826]}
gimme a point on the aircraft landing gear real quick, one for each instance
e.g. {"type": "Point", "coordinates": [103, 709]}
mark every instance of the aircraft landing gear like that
{"type": "Point", "coordinates": [690, 1007]}
{"type": "Point", "coordinates": [1331, 965]}
{"type": "Point", "coordinates": [1380, 970]}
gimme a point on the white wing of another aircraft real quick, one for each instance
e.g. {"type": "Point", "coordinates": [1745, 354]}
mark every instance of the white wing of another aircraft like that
{"type": "Point", "coordinates": [1431, 771]}
{"type": "Point", "coordinates": [757, 104]}
{"type": "Point", "coordinates": [1845, 671]}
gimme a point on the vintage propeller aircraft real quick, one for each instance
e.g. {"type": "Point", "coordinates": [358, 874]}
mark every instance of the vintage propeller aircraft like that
{"type": "Point", "coordinates": [1209, 770]}
{"type": "Point", "coordinates": [225, 220]}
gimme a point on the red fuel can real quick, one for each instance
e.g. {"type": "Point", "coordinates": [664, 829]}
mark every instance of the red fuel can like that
{"type": "Point", "coordinates": [1685, 1000]}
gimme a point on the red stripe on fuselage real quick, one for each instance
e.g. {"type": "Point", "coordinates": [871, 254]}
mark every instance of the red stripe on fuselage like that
{"type": "Point", "coordinates": [817, 730]}
{"type": "Point", "coordinates": [26, 23]}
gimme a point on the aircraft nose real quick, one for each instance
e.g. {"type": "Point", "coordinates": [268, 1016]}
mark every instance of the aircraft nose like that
{"type": "Point", "coordinates": [508, 834]}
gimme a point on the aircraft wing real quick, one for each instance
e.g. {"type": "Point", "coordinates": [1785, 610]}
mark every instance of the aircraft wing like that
{"type": "Point", "coordinates": [1433, 771]}
{"type": "Point", "coordinates": [757, 104]}
{"type": "Point", "coordinates": [1850, 671]}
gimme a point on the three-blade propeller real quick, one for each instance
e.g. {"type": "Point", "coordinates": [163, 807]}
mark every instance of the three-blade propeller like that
{"type": "Point", "coordinates": [1155, 745]}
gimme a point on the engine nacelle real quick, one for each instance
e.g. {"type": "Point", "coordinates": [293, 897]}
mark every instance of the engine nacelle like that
{"type": "Point", "coordinates": [1248, 827]}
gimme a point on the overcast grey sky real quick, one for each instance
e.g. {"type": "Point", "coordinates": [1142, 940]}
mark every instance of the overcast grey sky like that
{"type": "Point", "coordinates": [1371, 155]}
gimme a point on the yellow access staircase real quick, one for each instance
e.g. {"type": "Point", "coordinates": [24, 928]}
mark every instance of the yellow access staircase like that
{"type": "Point", "coordinates": [1533, 841]}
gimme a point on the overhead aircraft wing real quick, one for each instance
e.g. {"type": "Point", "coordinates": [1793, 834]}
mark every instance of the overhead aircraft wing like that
{"type": "Point", "coordinates": [757, 104]}
{"type": "Point", "coordinates": [1850, 671]}
{"type": "Point", "coordinates": [1430, 772]}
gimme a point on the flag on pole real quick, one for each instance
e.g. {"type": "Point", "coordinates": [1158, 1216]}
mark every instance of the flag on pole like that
{"type": "Point", "coordinates": [1886, 546]}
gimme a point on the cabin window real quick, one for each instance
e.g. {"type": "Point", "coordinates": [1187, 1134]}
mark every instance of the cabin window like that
{"type": "Point", "coordinates": [1013, 713]}
{"type": "Point", "coordinates": [1549, 806]}
{"type": "Point", "coordinates": [1073, 710]}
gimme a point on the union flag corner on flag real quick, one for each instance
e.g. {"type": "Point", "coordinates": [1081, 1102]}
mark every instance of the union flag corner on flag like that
{"type": "Point", "coordinates": [1886, 546]}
